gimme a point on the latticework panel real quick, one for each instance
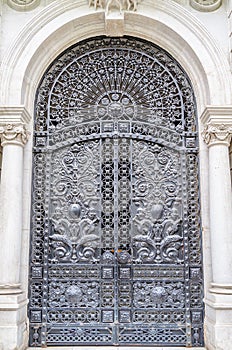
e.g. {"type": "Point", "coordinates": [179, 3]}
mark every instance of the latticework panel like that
{"type": "Point", "coordinates": [116, 241]}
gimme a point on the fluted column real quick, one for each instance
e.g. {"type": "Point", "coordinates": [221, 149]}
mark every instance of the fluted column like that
{"type": "Point", "coordinates": [218, 138]}
{"type": "Point", "coordinates": [13, 137]}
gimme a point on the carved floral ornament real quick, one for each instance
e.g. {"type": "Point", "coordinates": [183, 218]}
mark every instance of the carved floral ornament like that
{"type": "Point", "coordinates": [23, 5]}
{"type": "Point", "coordinates": [217, 134]}
{"type": "Point", "coordinates": [13, 134]}
{"type": "Point", "coordinates": [206, 5]}
{"type": "Point", "coordinates": [112, 4]}
{"type": "Point", "coordinates": [127, 5]}
{"type": "Point", "coordinates": [121, 5]}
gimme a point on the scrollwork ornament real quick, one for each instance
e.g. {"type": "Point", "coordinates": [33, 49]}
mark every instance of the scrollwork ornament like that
{"type": "Point", "coordinates": [122, 5]}
{"type": "Point", "coordinates": [217, 134]}
{"type": "Point", "coordinates": [16, 134]}
{"type": "Point", "coordinates": [116, 239]}
{"type": "Point", "coordinates": [206, 5]}
{"type": "Point", "coordinates": [23, 5]}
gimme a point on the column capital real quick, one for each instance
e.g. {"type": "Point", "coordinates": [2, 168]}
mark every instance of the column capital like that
{"type": "Point", "coordinates": [217, 134]}
{"type": "Point", "coordinates": [217, 123]}
{"type": "Point", "coordinates": [13, 125]}
{"type": "Point", "coordinates": [13, 133]}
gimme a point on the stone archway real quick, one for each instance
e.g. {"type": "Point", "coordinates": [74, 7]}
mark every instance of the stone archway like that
{"type": "Point", "coordinates": [45, 36]}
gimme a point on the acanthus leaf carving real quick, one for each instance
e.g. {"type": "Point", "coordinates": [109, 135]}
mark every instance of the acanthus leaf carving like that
{"type": "Point", "coordinates": [108, 5]}
{"type": "Point", "coordinates": [217, 133]}
{"type": "Point", "coordinates": [14, 134]}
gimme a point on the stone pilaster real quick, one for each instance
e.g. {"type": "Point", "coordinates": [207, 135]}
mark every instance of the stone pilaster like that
{"type": "Point", "coordinates": [218, 138]}
{"type": "Point", "coordinates": [13, 137]}
{"type": "Point", "coordinates": [217, 135]}
{"type": "Point", "coordinates": [0, 163]}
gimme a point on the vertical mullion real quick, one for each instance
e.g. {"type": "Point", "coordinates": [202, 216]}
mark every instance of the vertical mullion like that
{"type": "Point", "coordinates": [115, 163]}
{"type": "Point", "coordinates": [46, 249]}
{"type": "Point", "coordinates": [130, 227]}
{"type": "Point", "coordinates": [186, 250]}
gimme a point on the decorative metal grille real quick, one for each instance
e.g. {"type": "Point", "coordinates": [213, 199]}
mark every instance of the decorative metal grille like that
{"type": "Point", "coordinates": [116, 242]}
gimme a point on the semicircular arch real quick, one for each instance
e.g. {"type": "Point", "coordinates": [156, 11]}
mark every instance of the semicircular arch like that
{"type": "Point", "coordinates": [59, 26]}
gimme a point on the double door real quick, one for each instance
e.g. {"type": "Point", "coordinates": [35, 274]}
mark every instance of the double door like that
{"type": "Point", "coordinates": [116, 261]}
{"type": "Point", "coordinates": [115, 227]}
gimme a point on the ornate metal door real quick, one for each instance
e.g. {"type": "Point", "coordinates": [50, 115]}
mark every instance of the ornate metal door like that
{"type": "Point", "coordinates": [116, 243]}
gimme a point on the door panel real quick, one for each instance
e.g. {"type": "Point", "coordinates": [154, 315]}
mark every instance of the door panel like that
{"type": "Point", "coordinates": [116, 242]}
{"type": "Point", "coordinates": [115, 233]}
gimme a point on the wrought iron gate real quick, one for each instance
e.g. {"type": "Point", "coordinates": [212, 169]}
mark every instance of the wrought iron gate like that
{"type": "Point", "coordinates": [116, 243]}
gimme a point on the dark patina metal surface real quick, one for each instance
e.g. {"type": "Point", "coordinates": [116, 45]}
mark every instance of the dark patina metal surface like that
{"type": "Point", "coordinates": [115, 243]}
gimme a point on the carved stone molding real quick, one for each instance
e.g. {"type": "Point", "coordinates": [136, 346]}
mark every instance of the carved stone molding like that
{"type": "Point", "coordinates": [16, 134]}
{"type": "Point", "coordinates": [114, 24]}
{"type": "Point", "coordinates": [14, 114]}
{"type": "Point", "coordinates": [112, 5]}
{"type": "Point", "coordinates": [23, 5]}
{"type": "Point", "coordinates": [221, 288]}
{"type": "Point", "coordinates": [114, 13]}
{"type": "Point", "coordinates": [206, 5]}
{"type": "Point", "coordinates": [10, 288]}
{"type": "Point", "coordinates": [0, 159]}
{"type": "Point", "coordinates": [217, 134]}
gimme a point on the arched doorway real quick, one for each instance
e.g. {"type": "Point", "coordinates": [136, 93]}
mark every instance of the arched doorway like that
{"type": "Point", "coordinates": [116, 242]}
